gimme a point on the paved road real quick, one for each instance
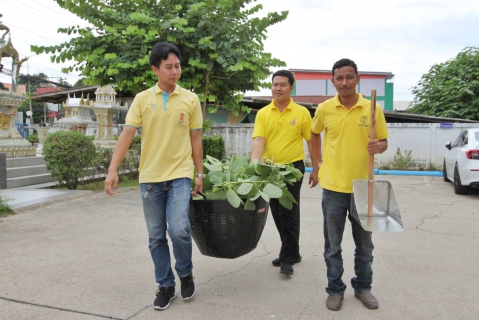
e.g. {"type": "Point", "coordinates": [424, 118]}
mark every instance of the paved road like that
{"type": "Point", "coordinates": [87, 258]}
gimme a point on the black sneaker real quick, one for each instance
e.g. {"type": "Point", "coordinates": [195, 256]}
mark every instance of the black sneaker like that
{"type": "Point", "coordinates": [164, 295]}
{"type": "Point", "coordinates": [187, 287]}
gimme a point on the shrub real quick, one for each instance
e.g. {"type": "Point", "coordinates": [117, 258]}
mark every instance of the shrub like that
{"type": "Point", "coordinates": [33, 138]}
{"type": "Point", "coordinates": [69, 155]}
{"type": "Point", "coordinates": [5, 209]}
{"type": "Point", "coordinates": [214, 146]}
{"type": "Point", "coordinates": [402, 161]}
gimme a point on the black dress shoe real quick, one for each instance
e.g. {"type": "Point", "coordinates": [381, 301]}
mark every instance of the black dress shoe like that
{"type": "Point", "coordinates": [276, 262]}
{"type": "Point", "coordinates": [286, 268]}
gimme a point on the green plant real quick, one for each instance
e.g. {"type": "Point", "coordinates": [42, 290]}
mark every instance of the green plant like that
{"type": "Point", "coordinates": [402, 161]}
{"type": "Point", "coordinates": [33, 138]}
{"type": "Point", "coordinates": [69, 154]}
{"type": "Point", "coordinates": [5, 209]}
{"type": "Point", "coordinates": [213, 146]}
{"type": "Point", "coordinates": [241, 183]}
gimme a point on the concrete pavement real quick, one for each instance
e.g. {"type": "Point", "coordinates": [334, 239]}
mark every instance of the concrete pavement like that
{"type": "Point", "coordinates": [88, 258]}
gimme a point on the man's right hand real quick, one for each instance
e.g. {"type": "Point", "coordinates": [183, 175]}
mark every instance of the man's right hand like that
{"type": "Point", "coordinates": [111, 183]}
{"type": "Point", "coordinates": [313, 179]}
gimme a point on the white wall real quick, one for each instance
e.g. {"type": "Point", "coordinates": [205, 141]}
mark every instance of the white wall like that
{"type": "Point", "coordinates": [426, 140]}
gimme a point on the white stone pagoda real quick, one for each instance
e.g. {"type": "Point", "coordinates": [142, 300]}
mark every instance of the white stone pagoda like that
{"type": "Point", "coordinates": [77, 115]}
{"type": "Point", "coordinates": [105, 108]}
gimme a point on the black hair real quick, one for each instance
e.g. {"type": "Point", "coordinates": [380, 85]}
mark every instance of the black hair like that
{"type": "Point", "coordinates": [345, 63]}
{"type": "Point", "coordinates": [161, 51]}
{"type": "Point", "coordinates": [284, 73]}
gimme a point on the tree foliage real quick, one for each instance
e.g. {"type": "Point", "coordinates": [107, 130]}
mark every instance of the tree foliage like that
{"type": "Point", "coordinates": [31, 85]}
{"type": "Point", "coordinates": [221, 42]}
{"type": "Point", "coordinates": [450, 89]}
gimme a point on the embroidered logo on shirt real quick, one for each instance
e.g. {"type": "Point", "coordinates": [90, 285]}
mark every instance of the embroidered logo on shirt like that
{"type": "Point", "coordinates": [182, 118]}
{"type": "Point", "coordinates": [149, 105]}
{"type": "Point", "coordinates": [293, 122]}
{"type": "Point", "coordinates": [363, 121]}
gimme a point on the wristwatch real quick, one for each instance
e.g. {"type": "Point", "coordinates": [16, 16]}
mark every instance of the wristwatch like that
{"type": "Point", "coordinates": [201, 175]}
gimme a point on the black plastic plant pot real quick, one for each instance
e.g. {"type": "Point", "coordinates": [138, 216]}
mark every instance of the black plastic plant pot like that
{"type": "Point", "coordinates": [222, 231]}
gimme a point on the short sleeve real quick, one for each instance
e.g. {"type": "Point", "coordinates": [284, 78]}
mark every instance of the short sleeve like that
{"type": "Point", "coordinates": [259, 125]}
{"type": "Point", "coordinates": [196, 122]}
{"type": "Point", "coordinates": [306, 128]}
{"type": "Point", "coordinates": [381, 125]}
{"type": "Point", "coordinates": [133, 117]}
{"type": "Point", "coordinates": [317, 125]}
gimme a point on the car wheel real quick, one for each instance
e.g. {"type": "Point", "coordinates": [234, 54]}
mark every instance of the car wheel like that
{"type": "Point", "coordinates": [444, 173]}
{"type": "Point", "coordinates": [458, 187]}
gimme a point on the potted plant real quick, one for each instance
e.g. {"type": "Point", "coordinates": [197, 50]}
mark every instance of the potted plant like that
{"type": "Point", "coordinates": [230, 219]}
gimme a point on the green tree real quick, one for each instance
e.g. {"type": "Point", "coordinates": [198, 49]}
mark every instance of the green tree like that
{"type": "Point", "coordinates": [221, 43]}
{"type": "Point", "coordinates": [31, 84]}
{"type": "Point", "coordinates": [37, 109]}
{"type": "Point", "coordinates": [450, 89]}
{"type": "Point", "coordinates": [64, 81]}
{"type": "Point", "coordinates": [79, 83]}
{"type": "Point", "coordinates": [37, 106]}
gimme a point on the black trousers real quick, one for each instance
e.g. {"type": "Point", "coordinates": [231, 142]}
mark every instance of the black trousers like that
{"type": "Point", "coordinates": [287, 221]}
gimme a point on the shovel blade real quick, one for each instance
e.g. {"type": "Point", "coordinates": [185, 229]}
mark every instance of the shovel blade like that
{"type": "Point", "coordinates": [385, 216]}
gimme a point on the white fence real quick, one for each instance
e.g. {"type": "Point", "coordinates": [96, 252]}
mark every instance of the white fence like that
{"type": "Point", "coordinates": [426, 141]}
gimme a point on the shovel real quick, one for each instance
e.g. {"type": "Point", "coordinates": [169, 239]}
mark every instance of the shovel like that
{"type": "Point", "coordinates": [376, 206]}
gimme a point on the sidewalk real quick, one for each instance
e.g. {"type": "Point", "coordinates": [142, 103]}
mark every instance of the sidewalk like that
{"type": "Point", "coordinates": [88, 258]}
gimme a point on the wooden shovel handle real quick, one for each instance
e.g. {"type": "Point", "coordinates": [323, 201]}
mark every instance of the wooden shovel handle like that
{"type": "Point", "coordinates": [372, 135]}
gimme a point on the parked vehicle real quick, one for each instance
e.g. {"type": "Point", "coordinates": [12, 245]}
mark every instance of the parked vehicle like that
{"type": "Point", "coordinates": [461, 162]}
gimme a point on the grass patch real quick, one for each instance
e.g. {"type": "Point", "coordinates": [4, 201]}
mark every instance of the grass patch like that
{"type": "Point", "coordinates": [98, 186]}
{"type": "Point", "coordinates": [5, 209]}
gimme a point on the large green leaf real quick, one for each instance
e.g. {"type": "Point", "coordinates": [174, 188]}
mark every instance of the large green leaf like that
{"type": "Point", "coordinates": [288, 195]}
{"type": "Point", "coordinates": [219, 195]}
{"type": "Point", "coordinates": [272, 191]}
{"type": "Point", "coordinates": [245, 188]}
{"type": "Point", "coordinates": [216, 178]}
{"type": "Point", "coordinates": [238, 163]}
{"type": "Point", "coordinates": [213, 167]}
{"type": "Point", "coordinates": [249, 205]}
{"type": "Point", "coordinates": [264, 196]}
{"type": "Point", "coordinates": [233, 198]}
{"type": "Point", "coordinates": [262, 169]}
{"type": "Point", "coordinates": [285, 202]}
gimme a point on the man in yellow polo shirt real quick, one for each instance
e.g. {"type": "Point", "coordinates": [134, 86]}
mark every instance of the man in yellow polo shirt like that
{"type": "Point", "coordinates": [171, 145]}
{"type": "Point", "coordinates": [345, 119]}
{"type": "Point", "coordinates": [279, 130]}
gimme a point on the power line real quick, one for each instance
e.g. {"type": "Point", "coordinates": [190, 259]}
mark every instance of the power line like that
{"type": "Point", "coordinates": [34, 34]}
{"type": "Point", "coordinates": [36, 13]}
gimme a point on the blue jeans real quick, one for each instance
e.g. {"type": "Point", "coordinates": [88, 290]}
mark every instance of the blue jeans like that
{"type": "Point", "coordinates": [166, 206]}
{"type": "Point", "coordinates": [336, 206]}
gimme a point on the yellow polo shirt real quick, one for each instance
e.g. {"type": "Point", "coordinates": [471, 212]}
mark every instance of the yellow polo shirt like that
{"type": "Point", "coordinates": [345, 155]}
{"type": "Point", "coordinates": [165, 137]}
{"type": "Point", "coordinates": [284, 131]}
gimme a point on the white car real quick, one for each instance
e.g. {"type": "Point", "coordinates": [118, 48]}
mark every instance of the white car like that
{"type": "Point", "coordinates": [461, 162]}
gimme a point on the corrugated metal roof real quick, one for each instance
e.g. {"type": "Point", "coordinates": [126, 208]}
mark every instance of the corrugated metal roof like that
{"type": "Point", "coordinates": [388, 75]}
{"type": "Point", "coordinates": [310, 100]}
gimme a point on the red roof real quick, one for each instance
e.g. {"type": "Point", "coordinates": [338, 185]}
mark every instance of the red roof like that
{"type": "Point", "coordinates": [47, 89]}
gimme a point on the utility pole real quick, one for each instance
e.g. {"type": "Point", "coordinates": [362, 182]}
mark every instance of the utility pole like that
{"type": "Point", "coordinates": [29, 95]}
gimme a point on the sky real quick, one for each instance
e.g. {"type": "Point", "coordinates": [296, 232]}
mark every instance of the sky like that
{"type": "Point", "coordinates": [405, 37]}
